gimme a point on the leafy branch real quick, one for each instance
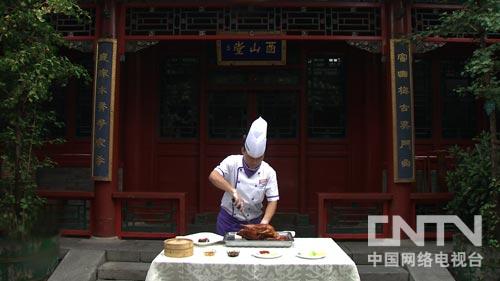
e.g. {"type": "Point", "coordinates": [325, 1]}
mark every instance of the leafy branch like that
{"type": "Point", "coordinates": [30, 65]}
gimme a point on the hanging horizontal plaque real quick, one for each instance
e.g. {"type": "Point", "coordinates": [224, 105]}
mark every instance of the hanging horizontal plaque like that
{"type": "Point", "coordinates": [104, 91]}
{"type": "Point", "coordinates": [402, 108]}
{"type": "Point", "coordinates": [251, 52]}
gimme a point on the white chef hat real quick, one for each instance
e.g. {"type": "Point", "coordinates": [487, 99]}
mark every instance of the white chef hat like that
{"type": "Point", "coordinates": [255, 143]}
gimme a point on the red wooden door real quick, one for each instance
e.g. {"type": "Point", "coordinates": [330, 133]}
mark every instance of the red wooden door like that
{"type": "Point", "coordinates": [182, 114]}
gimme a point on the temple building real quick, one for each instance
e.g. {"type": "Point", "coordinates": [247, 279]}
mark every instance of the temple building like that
{"type": "Point", "coordinates": [359, 117]}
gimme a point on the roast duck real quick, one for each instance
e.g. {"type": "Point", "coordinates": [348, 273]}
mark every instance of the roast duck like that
{"type": "Point", "coordinates": [260, 232]}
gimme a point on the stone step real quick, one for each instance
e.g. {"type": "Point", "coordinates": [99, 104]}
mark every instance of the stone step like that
{"type": "Point", "coordinates": [79, 265]}
{"type": "Point", "coordinates": [433, 273]}
{"type": "Point", "coordinates": [123, 271]}
{"type": "Point", "coordinates": [123, 255]}
{"type": "Point", "coordinates": [371, 273]}
{"type": "Point", "coordinates": [135, 251]}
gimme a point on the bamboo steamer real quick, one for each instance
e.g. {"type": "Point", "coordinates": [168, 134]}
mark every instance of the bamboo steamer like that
{"type": "Point", "coordinates": [178, 247]}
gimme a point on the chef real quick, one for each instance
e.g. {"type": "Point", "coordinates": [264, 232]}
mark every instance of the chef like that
{"type": "Point", "coordinates": [246, 180]}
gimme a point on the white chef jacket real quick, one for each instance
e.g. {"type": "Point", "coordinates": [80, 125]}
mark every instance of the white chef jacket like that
{"type": "Point", "coordinates": [251, 189]}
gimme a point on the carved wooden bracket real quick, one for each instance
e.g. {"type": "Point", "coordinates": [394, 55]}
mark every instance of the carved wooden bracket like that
{"type": "Point", "coordinates": [370, 46]}
{"type": "Point", "coordinates": [421, 47]}
{"type": "Point", "coordinates": [134, 46]}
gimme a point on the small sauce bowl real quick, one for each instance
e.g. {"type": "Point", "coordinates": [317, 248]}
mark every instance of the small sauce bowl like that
{"type": "Point", "coordinates": [209, 253]}
{"type": "Point", "coordinates": [233, 253]}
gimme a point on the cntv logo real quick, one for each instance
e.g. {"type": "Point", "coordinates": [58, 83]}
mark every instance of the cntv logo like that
{"type": "Point", "coordinates": [418, 237]}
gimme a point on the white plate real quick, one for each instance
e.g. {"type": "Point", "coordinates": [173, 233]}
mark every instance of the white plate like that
{"type": "Point", "coordinates": [212, 238]}
{"type": "Point", "coordinates": [311, 255]}
{"type": "Point", "coordinates": [270, 255]}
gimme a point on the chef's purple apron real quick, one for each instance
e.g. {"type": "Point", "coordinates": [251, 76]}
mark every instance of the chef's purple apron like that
{"type": "Point", "coordinates": [227, 223]}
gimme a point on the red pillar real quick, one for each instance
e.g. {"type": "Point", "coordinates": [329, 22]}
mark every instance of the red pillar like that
{"type": "Point", "coordinates": [397, 26]}
{"type": "Point", "coordinates": [104, 207]}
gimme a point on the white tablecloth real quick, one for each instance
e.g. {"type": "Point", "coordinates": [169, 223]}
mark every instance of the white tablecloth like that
{"type": "Point", "coordinates": [337, 265]}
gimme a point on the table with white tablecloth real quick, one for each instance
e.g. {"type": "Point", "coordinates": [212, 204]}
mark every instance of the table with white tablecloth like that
{"type": "Point", "coordinates": [336, 265]}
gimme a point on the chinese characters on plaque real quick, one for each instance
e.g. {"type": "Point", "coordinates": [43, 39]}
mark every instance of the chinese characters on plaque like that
{"type": "Point", "coordinates": [251, 52]}
{"type": "Point", "coordinates": [402, 106]}
{"type": "Point", "coordinates": [104, 90]}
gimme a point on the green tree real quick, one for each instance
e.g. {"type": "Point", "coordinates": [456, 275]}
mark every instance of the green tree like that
{"type": "Point", "coordinates": [478, 19]}
{"type": "Point", "coordinates": [29, 65]}
{"type": "Point", "coordinates": [475, 179]}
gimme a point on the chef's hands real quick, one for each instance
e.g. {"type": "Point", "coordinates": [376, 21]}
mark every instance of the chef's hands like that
{"type": "Point", "coordinates": [269, 213]}
{"type": "Point", "coordinates": [237, 200]}
{"type": "Point", "coordinates": [218, 180]}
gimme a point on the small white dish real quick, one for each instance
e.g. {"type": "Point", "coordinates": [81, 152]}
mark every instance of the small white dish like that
{"type": "Point", "coordinates": [198, 238]}
{"type": "Point", "coordinates": [313, 255]}
{"type": "Point", "coordinates": [266, 254]}
{"type": "Point", "coordinates": [209, 252]}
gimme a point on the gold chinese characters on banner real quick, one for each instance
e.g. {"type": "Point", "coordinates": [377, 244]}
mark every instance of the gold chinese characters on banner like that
{"type": "Point", "coordinates": [402, 111]}
{"type": "Point", "coordinates": [102, 128]}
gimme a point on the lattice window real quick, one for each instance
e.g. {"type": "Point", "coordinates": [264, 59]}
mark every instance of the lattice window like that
{"type": "Point", "coordinates": [326, 97]}
{"type": "Point", "coordinates": [76, 214]}
{"type": "Point", "coordinates": [297, 21]}
{"type": "Point", "coordinates": [360, 22]}
{"type": "Point", "coordinates": [173, 21]}
{"type": "Point", "coordinates": [421, 180]}
{"type": "Point", "coordinates": [227, 77]}
{"type": "Point", "coordinates": [459, 114]}
{"type": "Point", "coordinates": [253, 19]}
{"type": "Point", "coordinates": [425, 18]}
{"type": "Point", "coordinates": [71, 26]}
{"type": "Point", "coordinates": [192, 21]}
{"type": "Point", "coordinates": [149, 216]}
{"type": "Point", "coordinates": [179, 91]}
{"type": "Point", "coordinates": [227, 114]}
{"type": "Point", "coordinates": [288, 21]}
{"type": "Point", "coordinates": [279, 108]}
{"type": "Point", "coordinates": [261, 78]}
{"type": "Point", "coordinates": [71, 214]}
{"type": "Point", "coordinates": [422, 90]}
{"type": "Point", "coordinates": [431, 173]}
{"type": "Point", "coordinates": [332, 21]}
{"type": "Point", "coordinates": [150, 21]}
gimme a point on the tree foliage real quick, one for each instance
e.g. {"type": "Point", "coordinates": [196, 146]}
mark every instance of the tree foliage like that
{"type": "Point", "coordinates": [475, 179]}
{"type": "Point", "coordinates": [475, 191]}
{"type": "Point", "coordinates": [478, 19]}
{"type": "Point", "coordinates": [30, 65]}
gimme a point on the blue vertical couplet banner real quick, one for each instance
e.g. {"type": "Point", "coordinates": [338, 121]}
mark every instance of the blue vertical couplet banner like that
{"type": "Point", "coordinates": [104, 92]}
{"type": "Point", "coordinates": [402, 111]}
